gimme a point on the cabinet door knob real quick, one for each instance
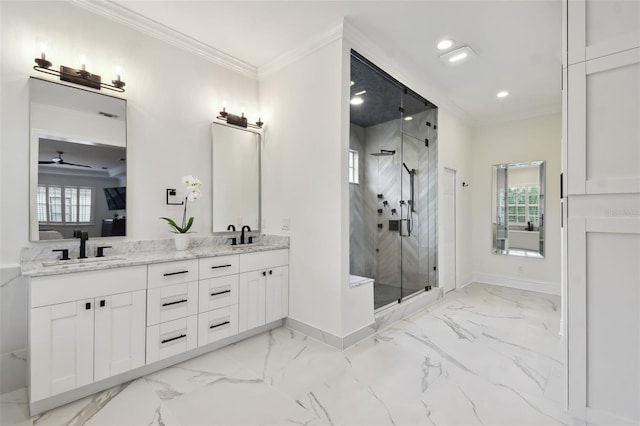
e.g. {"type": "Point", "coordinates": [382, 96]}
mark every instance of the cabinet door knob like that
{"type": "Point", "coordinates": [270, 272]}
{"type": "Point", "coordinates": [264, 273]}
{"type": "Point", "coordinates": [102, 303]}
{"type": "Point", "coordinates": [87, 305]}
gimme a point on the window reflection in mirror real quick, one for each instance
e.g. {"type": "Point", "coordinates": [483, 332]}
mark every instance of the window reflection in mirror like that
{"type": "Point", "coordinates": [78, 162]}
{"type": "Point", "coordinates": [236, 177]}
{"type": "Point", "coordinates": [518, 209]}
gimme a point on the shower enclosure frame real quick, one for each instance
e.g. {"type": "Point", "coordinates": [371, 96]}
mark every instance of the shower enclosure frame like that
{"type": "Point", "coordinates": [416, 208]}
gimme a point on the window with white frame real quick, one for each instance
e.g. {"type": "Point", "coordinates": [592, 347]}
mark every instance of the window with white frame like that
{"type": "Point", "coordinates": [353, 166]}
{"type": "Point", "coordinates": [58, 204]}
{"type": "Point", "coordinates": [523, 203]}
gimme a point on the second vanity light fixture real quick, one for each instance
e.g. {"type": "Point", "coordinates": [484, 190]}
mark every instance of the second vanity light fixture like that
{"type": "Point", "coordinates": [239, 120]}
{"type": "Point", "coordinates": [81, 77]}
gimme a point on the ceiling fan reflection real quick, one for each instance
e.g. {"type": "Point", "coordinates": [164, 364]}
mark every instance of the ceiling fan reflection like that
{"type": "Point", "coordinates": [60, 161]}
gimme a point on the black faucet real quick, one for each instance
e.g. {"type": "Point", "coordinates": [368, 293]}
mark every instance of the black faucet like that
{"type": "Point", "coordinates": [234, 240]}
{"type": "Point", "coordinates": [84, 236]}
{"type": "Point", "coordinates": [248, 228]}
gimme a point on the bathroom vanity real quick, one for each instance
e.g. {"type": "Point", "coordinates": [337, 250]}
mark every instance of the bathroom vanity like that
{"type": "Point", "coordinates": [100, 322]}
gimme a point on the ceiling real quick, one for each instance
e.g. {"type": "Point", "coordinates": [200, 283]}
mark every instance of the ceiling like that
{"type": "Point", "coordinates": [517, 42]}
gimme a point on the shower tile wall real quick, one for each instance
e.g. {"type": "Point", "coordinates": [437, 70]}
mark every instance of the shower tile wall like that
{"type": "Point", "coordinates": [380, 175]}
{"type": "Point", "coordinates": [362, 230]}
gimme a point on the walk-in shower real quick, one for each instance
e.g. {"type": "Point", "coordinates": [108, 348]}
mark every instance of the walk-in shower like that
{"type": "Point", "coordinates": [393, 147]}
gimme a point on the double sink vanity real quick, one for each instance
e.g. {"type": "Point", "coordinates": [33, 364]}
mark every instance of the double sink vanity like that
{"type": "Point", "coordinates": [98, 322]}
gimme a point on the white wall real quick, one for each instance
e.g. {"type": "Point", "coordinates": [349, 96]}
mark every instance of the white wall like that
{"type": "Point", "coordinates": [535, 138]}
{"type": "Point", "coordinates": [172, 95]}
{"type": "Point", "coordinates": [303, 178]}
{"type": "Point", "coordinates": [454, 152]}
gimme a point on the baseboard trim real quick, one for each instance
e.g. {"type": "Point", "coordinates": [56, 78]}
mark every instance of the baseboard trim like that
{"type": "Point", "coordinates": [519, 283]}
{"type": "Point", "coordinates": [465, 281]}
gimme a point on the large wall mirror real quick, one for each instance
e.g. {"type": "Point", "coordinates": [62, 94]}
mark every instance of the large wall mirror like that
{"type": "Point", "coordinates": [236, 177]}
{"type": "Point", "coordinates": [78, 173]}
{"type": "Point", "coordinates": [518, 208]}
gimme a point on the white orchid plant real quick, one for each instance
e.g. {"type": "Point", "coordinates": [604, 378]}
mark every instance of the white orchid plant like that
{"type": "Point", "coordinates": [192, 193]}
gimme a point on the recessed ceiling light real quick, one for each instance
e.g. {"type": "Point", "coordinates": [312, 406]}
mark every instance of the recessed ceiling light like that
{"type": "Point", "coordinates": [445, 44]}
{"type": "Point", "coordinates": [458, 56]}
{"type": "Point", "coordinates": [502, 94]}
{"type": "Point", "coordinates": [408, 118]}
{"type": "Point", "coordinates": [356, 101]}
{"type": "Point", "coordinates": [361, 93]}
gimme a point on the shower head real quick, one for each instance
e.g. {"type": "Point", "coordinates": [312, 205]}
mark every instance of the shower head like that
{"type": "Point", "coordinates": [383, 152]}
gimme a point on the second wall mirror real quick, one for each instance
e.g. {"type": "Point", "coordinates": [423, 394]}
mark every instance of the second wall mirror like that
{"type": "Point", "coordinates": [236, 177]}
{"type": "Point", "coordinates": [517, 208]}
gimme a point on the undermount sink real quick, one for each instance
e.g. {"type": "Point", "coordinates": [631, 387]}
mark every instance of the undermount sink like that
{"type": "Point", "coordinates": [93, 261]}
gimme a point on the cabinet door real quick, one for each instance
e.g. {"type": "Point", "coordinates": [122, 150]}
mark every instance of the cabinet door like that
{"type": "Point", "coordinates": [597, 28]}
{"type": "Point", "coordinates": [119, 333]}
{"type": "Point", "coordinates": [277, 293]}
{"type": "Point", "coordinates": [603, 126]}
{"type": "Point", "coordinates": [61, 348]}
{"type": "Point", "coordinates": [251, 300]}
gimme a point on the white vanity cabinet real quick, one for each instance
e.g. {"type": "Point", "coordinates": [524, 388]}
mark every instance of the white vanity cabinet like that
{"type": "Point", "coordinates": [218, 301]}
{"type": "Point", "coordinates": [263, 288]}
{"type": "Point", "coordinates": [85, 327]}
{"type": "Point", "coordinates": [172, 306]}
{"type": "Point", "coordinates": [601, 169]}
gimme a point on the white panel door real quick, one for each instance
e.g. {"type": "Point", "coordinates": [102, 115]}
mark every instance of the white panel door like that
{"type": "Point", "coordinates": [61, 340]}
{"type": "Point", "coordinates": [277, 293]}
{"type": "Point", "coordinates": [598, 28]}
{"type": "Point", "coordinates": [251, 300]}
{"type": "Point", "coordinates": [604, 319]}
{"type": "Point", "coordinates": [119, 333]}
{"type": "Point", "coordinates": [603, 127]}
{"type": "Point", "coordinates": [448, 217]}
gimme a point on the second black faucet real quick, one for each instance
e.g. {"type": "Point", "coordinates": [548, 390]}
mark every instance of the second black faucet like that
{"type": "Point", "coordinates": [84, 236]}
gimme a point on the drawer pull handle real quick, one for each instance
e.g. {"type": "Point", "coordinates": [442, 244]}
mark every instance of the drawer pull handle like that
{"type": "Point", "coordinates": [174, 303]}
{"type": "Point", "coordinates": [221, 266]}
{"type": "Point", "coordinates": [221, 292]}
{"type": "Point", "coordinates": [172, 339]}
{"type": "Point", "coordinates": [175, 273]}
{"type": "Point", "coordinates": [219, 325]}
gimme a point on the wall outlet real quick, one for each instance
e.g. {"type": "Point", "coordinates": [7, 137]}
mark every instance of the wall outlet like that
{"type": "Point", "coordinates": [286, 224]}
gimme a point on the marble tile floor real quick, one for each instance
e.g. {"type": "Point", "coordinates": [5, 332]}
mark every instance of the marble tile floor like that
{"type": "Point", "coordinates": [483, 355]}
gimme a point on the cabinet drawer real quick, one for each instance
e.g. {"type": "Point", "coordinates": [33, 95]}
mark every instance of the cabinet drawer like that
{"type": "Point", "coordinates": [183, 271]}
{"type": "Point", "coordinates": [53, 289]}
{"type": "Point", "coordinates": [217, 324]}
{"type": "Point", "coordinates": [263, 259]}
{"type": "Point", "coordinates": [218, 292]}
{"type": "Point", "coordinates": [171, 338]}
{"type": "Point", "coordinates": [171, 302]}
{"type": "Point", "coordinates": [219, 266]}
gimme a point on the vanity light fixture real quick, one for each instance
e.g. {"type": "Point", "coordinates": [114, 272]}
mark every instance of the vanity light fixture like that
{"type": "Point", "coordinates": [357, 100]}
{"type": "Point", "coordinates": [502, 94]}
{"type": "Point", "coordinates": [81, 77]}
{"type": "Point", "coordinates": [458, 56]}
{"type": "Point", "coordinates": [409, 118]}
{"type": "Point", "coordinates": [239, 120]}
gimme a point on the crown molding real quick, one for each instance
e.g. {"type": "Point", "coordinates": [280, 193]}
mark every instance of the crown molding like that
{"type": "Point", "coordinates": [134, 20]}
{"type": "Point", "coordinates": [523, 115]}
{"type": "Point", "coordinates": [306, 48]}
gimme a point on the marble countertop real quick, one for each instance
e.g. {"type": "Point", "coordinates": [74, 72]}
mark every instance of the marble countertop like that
{"type": "Point", "coordinates": [38, 268]}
